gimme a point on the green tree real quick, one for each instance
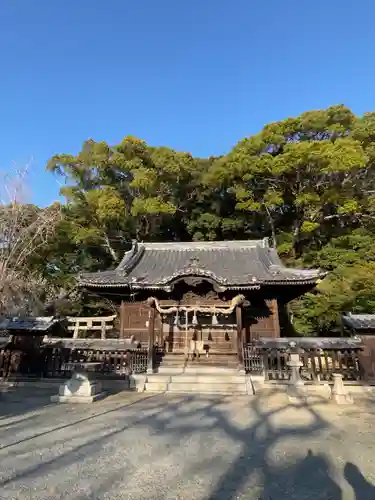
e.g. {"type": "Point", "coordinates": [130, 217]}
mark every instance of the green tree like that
{"type": "Point", "coordinates": [306, 182]}
{"type": "Point", "coordinates": [298, 175]}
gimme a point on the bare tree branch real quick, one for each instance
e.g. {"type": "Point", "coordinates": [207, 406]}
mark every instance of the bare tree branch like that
{"type": "Point", "coordinates": [24, 230]}
{"type": "Point", "coordinates": [109, 247]}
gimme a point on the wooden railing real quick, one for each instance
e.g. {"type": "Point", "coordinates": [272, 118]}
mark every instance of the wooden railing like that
{"type": "Point", "coordinates": [118, 360]}
{"type": "Point", "coordinates": [54, 362]}
{"type": "Point", "coordinates": [253, 359]}
{"type": "Point", "coordinates": [318, 364]}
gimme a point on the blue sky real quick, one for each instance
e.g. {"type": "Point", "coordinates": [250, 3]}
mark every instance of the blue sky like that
{"type": "Point", "coordinates": [195, 75]}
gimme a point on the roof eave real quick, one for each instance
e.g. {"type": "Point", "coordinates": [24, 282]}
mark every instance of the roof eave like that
{"type": "Point", "coordinates": [151, 286]}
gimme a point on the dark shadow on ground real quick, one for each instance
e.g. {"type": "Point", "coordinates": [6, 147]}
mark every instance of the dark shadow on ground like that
{"type": "Point", "coordinates": [282, 478]}
{"type": "Point", "coordinates": [91, 447]}
{"type": "Point", "coordinates": [22, 399]}
{"type": "Point", "coordinates": [362, 488]}
{"type": "Point", "coordinates": [280, 481]}
{"type": "Point", "coordinates": [312, 474]}
{"type": "Point", "coordinates": [26, 420]}
{"type": "Point", "coordinates": [19, 401]}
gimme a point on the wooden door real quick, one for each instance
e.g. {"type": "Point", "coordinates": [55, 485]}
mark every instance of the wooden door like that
{"type": "Point", "coordinates": [134, 319]}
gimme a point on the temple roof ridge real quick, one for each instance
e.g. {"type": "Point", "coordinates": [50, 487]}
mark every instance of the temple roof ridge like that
{"type": "Point", "coordinates": [204, 245]}
{"type": "Point", "coordinates": [234, 264]}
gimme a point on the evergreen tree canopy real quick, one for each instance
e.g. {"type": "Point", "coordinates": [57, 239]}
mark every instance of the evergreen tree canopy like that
{"type": "Point", "coordinates": [307, 183]}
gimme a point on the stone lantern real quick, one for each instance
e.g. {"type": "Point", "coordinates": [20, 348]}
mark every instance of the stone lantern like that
{"type": "Point", "coordinates": [295, 364]}
{"type": "Point", "coordinates": [296, 384]}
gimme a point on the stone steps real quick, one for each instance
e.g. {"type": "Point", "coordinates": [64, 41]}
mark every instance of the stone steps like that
{"type": "Point", "coordinates": [196, 378]}
{"type": "Point", "coordinates": [221, 351]}
{"type": "Point", "coordinates": [206, 388]}
{"type": "Point", "coordinates": [198, 388]}
{"type": "Point", "coordinates": [215, 359]}
{"type": "Point", "coordinates": [214, 374]}
{"type": "Point", "coordinates": [202, 380]}
{"type": "Point", "coordinates": [156, 386]}
{"type": "Point", "coordinates": [224, 364]}
{"type": "Point", "coordinates": [198, 368]}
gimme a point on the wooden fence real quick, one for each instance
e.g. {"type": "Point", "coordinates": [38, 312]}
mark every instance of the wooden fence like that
{"type": "Point", "coordinates": [317, 364]}
{"type": "Point", "coordinates": [53, 362]}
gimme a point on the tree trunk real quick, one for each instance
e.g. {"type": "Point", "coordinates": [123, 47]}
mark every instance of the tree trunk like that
{"type": "Point", "coordinates": [110, 249]}
{"type": "Point", "coordinates": [296, 237]}
{"type": "Point", "coordinates": [272, 226]}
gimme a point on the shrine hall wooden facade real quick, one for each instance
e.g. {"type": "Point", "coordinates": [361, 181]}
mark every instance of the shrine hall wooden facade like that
{"type": "Point", "coordinates": [215, 295]}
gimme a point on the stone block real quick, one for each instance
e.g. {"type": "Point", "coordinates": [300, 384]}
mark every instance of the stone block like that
{"type": "Point", "coordinates": [137, 382]}
{"type": "Point", "coordinates": [156, 386]}
{"type": "Point", "coordinates": [80, 388]}
{"type": "Point", "coordinates": [339, 394]}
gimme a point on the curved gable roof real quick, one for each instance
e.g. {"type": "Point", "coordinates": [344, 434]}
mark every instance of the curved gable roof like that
{"type": "Point", "coordinates": [232, 264]}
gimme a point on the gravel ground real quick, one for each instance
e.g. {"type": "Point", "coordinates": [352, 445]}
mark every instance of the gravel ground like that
{"type": "Point", "coordinates": [132, 446]}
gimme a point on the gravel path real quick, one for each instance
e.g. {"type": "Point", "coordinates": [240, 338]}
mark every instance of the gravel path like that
{"type": "Point", "coordinates": [132, 446]}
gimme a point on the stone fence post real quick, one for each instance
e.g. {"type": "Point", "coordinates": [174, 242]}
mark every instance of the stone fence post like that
{"type": "Point", "coordinates": [339, 393]}
{"type": "Point", "coordinates": [295, 388]}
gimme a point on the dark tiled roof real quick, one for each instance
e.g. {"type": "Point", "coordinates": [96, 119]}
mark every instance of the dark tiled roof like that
{"type": "Point", "coordinates": [359, 321]}
{"type": "Point", "coordinates": [37, 324]}
{"type": "Point", "coordinates": [229, 263]}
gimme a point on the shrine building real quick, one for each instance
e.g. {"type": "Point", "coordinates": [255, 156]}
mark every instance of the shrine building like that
{"type": "Point", "coordinates": [204, 299]}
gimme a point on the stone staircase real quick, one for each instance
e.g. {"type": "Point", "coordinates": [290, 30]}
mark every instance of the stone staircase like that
{"type": "Point", "coordinates": [199, 382]}
{"type": "Point", "coordinates": [177, 360]}
{"type": "Point", "coordinates": [212, 375]}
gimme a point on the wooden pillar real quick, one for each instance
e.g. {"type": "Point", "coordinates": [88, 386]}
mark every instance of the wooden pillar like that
{"type": "Point", "coordinates": [161, 332]}
{"type": "Point", "coordinates": [239, 333]}
{"type": "Point", "coordinates": [235, 337]}
{"type": "Point", "coordinates": [151, 339]}
{"type": "Point", "coordinates": [122, 319]}
{"type": "Point", "coordinates": [276, 320]}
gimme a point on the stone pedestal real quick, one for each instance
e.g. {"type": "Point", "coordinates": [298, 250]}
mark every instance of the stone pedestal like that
{"type": "Point", "coordinates": [81, 388]}
{"type": "Point", "coordinates": [339, 393]}
{"type": "Point", "coordinates": [296, 387]}
{"type": "Point", "coordinates": [137, 382]}
{"type": "Point", "coordinates": [295, 364]}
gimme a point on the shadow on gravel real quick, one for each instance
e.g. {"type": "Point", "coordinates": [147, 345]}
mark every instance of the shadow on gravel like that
{"type": "Point", "coordinates": [27, 420]}
{"type": "Point", "coordinates": [256, 473]}
{"type": "Point", "coordinates": [362, 488]}
{"type": "Point", "coordinates": [281, 479]}
{"type": "Point", "coordinates": [19, 401]}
